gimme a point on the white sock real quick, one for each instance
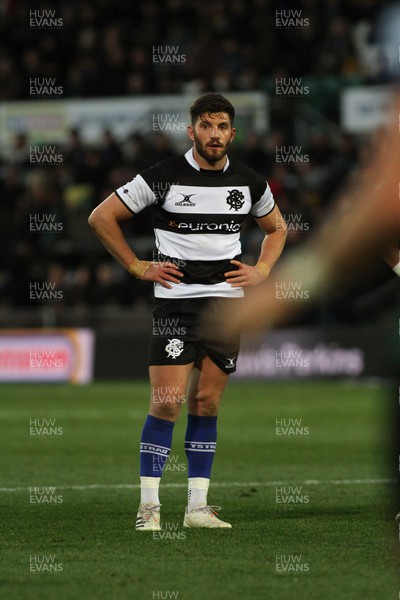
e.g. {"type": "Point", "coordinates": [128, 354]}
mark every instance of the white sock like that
{"type": "Point", "coordinates": [197, 492]}
{"type": "Point", "coordinates": [149, 490]}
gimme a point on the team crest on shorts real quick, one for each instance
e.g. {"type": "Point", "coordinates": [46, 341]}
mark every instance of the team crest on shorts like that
{"type": "Point", "coordinates": [174, 348]}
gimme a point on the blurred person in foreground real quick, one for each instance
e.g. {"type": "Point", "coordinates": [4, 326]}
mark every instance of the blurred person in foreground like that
{"type": "Point", "coordinates": [363, 227]}
{"type": "Point", "coordinates": [199, 203]}
{"type": "Point", "coordinates": [364, 224]}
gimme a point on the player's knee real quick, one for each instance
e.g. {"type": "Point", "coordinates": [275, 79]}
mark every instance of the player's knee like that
{"type": "Point", "coordinates": [168, 412]}
{"type": "Point", "coordinates": [165, 404]}
{"type": "Point", "coordinates": [207, 401]}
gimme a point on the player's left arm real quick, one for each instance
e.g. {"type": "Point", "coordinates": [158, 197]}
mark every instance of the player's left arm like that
{"type": "Point", "coordinates": [275, 230]}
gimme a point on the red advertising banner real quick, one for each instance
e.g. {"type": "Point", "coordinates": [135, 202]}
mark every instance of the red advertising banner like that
{"type": "Point", "coordinates": [47, 355]}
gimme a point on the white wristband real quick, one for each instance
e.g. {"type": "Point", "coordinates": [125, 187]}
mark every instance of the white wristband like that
{"type": "Point", "coordinates": [396, 269]}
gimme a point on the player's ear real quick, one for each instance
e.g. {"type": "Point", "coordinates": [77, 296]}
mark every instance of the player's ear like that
{"type": "Point", "coordinates": [233, 133]}
{"type": "Point", "coordinates": [190, 132]}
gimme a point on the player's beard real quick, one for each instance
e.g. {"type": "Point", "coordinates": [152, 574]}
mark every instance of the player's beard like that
{"type": "Point", "coordinates": [211, 155]}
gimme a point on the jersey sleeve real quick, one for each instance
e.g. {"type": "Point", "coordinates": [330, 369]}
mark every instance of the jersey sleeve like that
{"type": "Point", "coordinates": [136, 194]}
{"type": "Point", "coordinates": [264, 205]}
{"type": "Point", "coordinates": [150, 186]}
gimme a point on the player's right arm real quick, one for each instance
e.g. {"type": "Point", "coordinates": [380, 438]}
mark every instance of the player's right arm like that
{"type": "Point", "coordinates": [105, 221]}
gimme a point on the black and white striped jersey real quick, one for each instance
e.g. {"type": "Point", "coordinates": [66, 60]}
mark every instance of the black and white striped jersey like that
{"type": "Point", "coordinates": [197, 218]}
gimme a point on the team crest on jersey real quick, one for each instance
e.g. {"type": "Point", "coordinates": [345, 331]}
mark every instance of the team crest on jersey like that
{"type": "Point", "coordinates": [174, 348]}
{"type": "Point", "coordinates": [235, 199]}
{"type": "Point", "coordinates": [186, 200]}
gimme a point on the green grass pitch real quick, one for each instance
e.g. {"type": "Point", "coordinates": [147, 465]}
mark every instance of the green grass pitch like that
{"type": "Point", "coordinates": [311, 510]}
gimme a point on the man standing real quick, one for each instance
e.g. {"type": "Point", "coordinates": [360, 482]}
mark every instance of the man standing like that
{"type": "Point", "coordinates": [199, 203]}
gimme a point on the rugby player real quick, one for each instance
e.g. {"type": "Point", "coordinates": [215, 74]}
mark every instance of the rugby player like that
{"type": "Point", "coordinates": [199, 202]}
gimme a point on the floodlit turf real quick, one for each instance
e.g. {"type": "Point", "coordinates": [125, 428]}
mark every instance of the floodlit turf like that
{"type": "Point", "coordinates": [332, 538]}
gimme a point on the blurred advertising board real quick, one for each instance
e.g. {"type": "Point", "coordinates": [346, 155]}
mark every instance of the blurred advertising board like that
{"type": "Point", "coordinates": [46, 121]}
{"type": "Point", "coordinates": [319, 353]}
{"type": "Point", "coordinates": [46, 355]}
{"type": "Point", "coordinates": [299, 353]}
{"type": "Point", "coordinates": [365, 108]}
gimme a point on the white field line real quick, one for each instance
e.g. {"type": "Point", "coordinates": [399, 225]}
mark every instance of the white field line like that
{"type": "Point", "coordinates": [216, 484]}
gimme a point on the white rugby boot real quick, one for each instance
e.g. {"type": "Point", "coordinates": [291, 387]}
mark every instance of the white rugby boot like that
{"type": "Point", "coordinates": [205, 516]}
{"type": "Point", "coordinates": [148, 517]}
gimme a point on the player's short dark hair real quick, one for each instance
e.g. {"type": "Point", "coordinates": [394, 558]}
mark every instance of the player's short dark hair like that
{"type": "Point", "coordinates": [211, 103]}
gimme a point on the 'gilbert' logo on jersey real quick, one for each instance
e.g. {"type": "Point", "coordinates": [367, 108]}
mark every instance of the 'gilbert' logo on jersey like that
{"type": "Point", "coordinates": [186, 200]}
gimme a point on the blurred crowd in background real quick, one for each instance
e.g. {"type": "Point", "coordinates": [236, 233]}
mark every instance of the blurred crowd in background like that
{"type": "Point", "coordinates": [45, 209]}
{"type": "Point", "coordinates": [106, 49]}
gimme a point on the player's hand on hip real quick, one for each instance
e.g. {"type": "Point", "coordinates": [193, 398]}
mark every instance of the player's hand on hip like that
{"type": "Point", "coordinates": [244, 275]}
{"type": "Point", "coordinates": [162, 272]}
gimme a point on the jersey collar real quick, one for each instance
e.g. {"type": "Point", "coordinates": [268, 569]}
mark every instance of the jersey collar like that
{"type": "Point", "coordinates": [191, 160]}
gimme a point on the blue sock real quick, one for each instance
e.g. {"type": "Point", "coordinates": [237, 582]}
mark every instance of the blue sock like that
{"type": "Point", "coordinates": [155, 446]}
{"type": "Point", "coordinates": [200, 443]}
